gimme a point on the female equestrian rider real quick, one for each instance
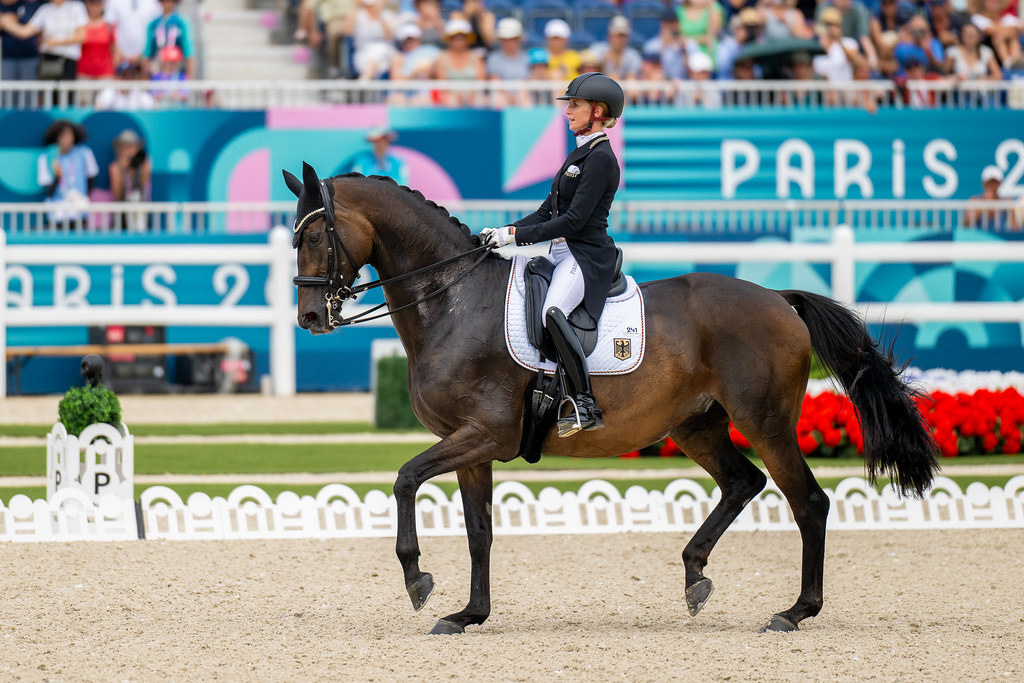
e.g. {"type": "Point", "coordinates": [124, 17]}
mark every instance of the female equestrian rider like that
{"type": "Point", "coordinates": [574, 216]}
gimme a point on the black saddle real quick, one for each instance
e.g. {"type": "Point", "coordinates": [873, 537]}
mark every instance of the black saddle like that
{"type": "Point", "coordinates": [537, 280]}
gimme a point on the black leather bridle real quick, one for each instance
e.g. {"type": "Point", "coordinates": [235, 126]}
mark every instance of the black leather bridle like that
{"type": "Point", "coordinates": [338, 292]}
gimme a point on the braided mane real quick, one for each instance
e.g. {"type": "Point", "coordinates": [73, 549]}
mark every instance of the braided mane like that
{"type": "Point", "coordinates": [440, 210]}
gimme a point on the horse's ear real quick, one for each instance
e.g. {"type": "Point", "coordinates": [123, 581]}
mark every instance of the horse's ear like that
{"type": "Point", "coordinates": [293, 183]}
{"type": "Point", "coordinates": [311, 180]}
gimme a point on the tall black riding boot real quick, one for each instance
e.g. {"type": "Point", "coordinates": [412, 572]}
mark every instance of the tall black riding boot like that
{"type": "Point", "coordinates": [585, 413]}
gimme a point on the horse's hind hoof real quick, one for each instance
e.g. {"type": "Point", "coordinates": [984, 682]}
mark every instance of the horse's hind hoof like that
{"type": "Point", "coordinates": [420, 590]}
{"type": "Point", "coordinates": [779, 623]}
{"type": "Point", "coordinates": [698, 595]}
{"type": "Point", "coordinates": [443, 627]}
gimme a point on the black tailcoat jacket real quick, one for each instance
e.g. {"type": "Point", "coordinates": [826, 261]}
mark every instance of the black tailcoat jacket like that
{"type": "Point", "coordinates": [577, 209]}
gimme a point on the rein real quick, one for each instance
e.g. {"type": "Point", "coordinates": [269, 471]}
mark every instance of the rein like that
{"type": "Point", "coordinates": [334, 301]}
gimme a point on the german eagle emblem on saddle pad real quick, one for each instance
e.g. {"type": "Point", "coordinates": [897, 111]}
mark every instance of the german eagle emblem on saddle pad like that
{"type": "Point", "coordinates": [621, 333]}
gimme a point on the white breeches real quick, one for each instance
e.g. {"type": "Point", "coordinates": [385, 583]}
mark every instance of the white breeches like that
{"type": "Point", "coordinates": [567, 286]}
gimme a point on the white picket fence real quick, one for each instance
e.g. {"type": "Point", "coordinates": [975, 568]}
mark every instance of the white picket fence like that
{"type": "Point", "coordinates": [596, 508]}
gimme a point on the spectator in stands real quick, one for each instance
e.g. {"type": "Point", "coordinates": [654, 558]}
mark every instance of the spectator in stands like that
{"type": "Point", "coordinates": [563, 63]}
{"type": "Point", "coordinates": [19, 56]}
{"type": "Point", "coordinates": [430, 22]}
{"type": "Point", "coordinates": [509, 62]}
{"type": "Point", "coordinates": [589, 62]}
{"type": "Point", "coordinates": [618, 60]}
{"type": "Point", "coordinates": [700, 22]}
{"type": "Point", "coordinates": [413, 62]}
{"type": "Point", "coordinates": [333, 14]}
{"type": "Point", "coordinates": [783, 21]}
{"type": "Point", "coordinates": [481, 23]}
{"type": "Point", "coordinates": [539, 64]}
{"type": "Point", "coordinates": [120, 98]}
{"type": "Point", "coordinates": [916, 40]}
{"type": "Point", "coordinates": [539, 72]}
{"type": "Point", "coordinates": [971, 60]}
{"type": "Point", "coordinates": [868, 99]}
{"type": "Point", "coordinates": [836, 64]}
{"type": "Point", "coordinates": [168, 68]}
{"type": "Point", "coordinates": [979, 216]}
{"type": "Point", "coordinates": [60, 25]}
{"type": "Point", "coordinates": [652, 71]}
{"type": "Point", "coordinates": [130, 19]}
{"type": "Point", "coordinates": [887, 22]}
{"type": "Point", "coordinates": [945, 24]}
{"type": "Point", "coordinates": [1002, 29]}
{"type": "Point", "coordinates": [744, 70]}
{"type": "Point", "coordinates": [458, 62]}
{"type": "Point", "coordinates": [855, 21]}
{"type": "Point", "coordinates": [372, 29]}
{"type": "Point", "coordinates": [668, 43]}
{"type": "Point", "coordinates": [379, 160]}
{"type": "Point", "coordinates": [744, 28]}
{"type": "Point", "coordinates": [915, 94]}
{"type": "Point", "coordinates": [131, 177]}
{"type": "Point", "coordinates": [66, 172]}
{"type": "Point", "coordinates": [99, 51]}
{"type": "Point", "coordinates": [700, 68]}
{"type": "Point", "coordinates": [170, 29]}
{"type": "Point", "coordinates": [801, 68]}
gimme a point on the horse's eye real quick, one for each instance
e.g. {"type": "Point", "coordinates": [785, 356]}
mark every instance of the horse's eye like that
{"type": "Point", "coordinates": [314, 238]}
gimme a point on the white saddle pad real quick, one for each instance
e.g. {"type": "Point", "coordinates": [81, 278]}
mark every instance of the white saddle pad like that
{"type": "Point", "coordinates": [621, 334]}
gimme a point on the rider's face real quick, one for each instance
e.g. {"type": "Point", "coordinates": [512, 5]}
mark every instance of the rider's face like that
{"type": "Point", "coordinates": [578, 113]}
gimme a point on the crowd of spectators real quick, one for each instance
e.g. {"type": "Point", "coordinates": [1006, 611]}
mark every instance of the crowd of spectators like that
{"type": "Point", "coordinates": [98, 39]}
{"type": "Point", "coordinates": [831, 40]}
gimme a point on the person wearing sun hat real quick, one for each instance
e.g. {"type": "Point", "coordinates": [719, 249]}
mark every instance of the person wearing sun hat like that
{"type": "Point", "coordinates": [618, 59]}
{"type": "Point", "coordinates": [978, 215]}
{"type": "Point", "coordinates": [563, 63]}
{"type": "Point", "coordinates": [378, 160]}
{"type": "Point", "coordinates": [458, 62]}
{"type": "Point", "coordinates": [66, 172]}
{"type": "Point", "coordinates": [508, 62]}
{"type": "Point", "coordinates": [574, 218]}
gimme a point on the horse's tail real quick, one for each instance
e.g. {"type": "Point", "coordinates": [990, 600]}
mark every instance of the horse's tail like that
{"type": "Point", "coordinates": [897, 440]}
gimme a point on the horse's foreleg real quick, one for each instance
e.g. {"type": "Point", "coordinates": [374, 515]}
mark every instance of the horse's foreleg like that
{"type": "Point", "coordinates": [738, 479]}
{"type": "Point", "coordinates": [475, 484]}
{"type": "Point", "coordinates": [464, 448]}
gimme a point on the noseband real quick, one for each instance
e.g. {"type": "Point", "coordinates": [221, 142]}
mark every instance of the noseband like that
{"type": "Point", "coordinates": [335, 297]}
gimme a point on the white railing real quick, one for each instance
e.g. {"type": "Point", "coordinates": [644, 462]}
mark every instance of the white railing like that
{"type": "Point", "coordinates": [205, 94]}
{"type": "Point", "coordinates": [637, 217]}
{"type": "Point", "coordinates": [597, 507]}
{"type": "Point", "coordinates": [842, 252]}
{"type": "Point", "coordinates": [278, 314]}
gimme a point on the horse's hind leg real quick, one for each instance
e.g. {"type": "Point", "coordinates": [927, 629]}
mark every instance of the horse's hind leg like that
{"type": "Point", "coordinates": [475, 484]}
{"type": "Point", "coordinates": [781, 455]}
{"type": "Point", "coordinates": [705, 440]}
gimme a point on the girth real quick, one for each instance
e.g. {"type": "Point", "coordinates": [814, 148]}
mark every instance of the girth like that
{"type": "Point", "coordinates": [537, 280]}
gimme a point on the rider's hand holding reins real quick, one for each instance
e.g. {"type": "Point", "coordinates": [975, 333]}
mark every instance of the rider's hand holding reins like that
{"type": "Point", "coordinates": [499, 237]}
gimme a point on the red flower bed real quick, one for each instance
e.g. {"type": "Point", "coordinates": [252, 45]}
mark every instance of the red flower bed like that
{"type": "Point", "coordinates": [983, 422]}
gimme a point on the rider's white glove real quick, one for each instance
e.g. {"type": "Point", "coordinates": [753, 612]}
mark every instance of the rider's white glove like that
{"type": "Point", "coordinates": [499, 237]}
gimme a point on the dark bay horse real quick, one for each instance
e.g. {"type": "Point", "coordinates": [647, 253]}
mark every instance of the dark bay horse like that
{"type": "Point", "coordinates": [718, 349]}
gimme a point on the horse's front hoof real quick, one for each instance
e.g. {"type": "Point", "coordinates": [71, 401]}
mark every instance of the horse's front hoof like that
{"type": "Point", "coordinates": [698, 595]}
{"type": "Point", "coordinates": [420, 590]}
{"type": "Point", "coordinates": [443, 627]}
{"type": "Point", "coordinates": [779, 623]}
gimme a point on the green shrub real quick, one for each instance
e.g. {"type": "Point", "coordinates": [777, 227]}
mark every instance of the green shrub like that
{"type": "Point", "coordinates": [392, 406]}
{"type": "Point", "coordinates": [83, 406]}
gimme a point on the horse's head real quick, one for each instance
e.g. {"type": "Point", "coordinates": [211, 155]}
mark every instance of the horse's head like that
{"type": "Point", "coordinates": [333, 242]}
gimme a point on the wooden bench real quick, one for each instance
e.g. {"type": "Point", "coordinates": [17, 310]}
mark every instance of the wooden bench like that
{"type": "Point", "coordinates": [18, 356]}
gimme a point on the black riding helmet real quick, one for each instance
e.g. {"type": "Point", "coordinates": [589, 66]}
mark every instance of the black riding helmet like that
{"type": "Point", "coordinates": [596, 87]}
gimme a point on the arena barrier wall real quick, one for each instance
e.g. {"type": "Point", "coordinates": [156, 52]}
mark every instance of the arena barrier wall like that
{"type": "Point", "coordinates": [667, 153]}
{"type": "Point", "coordinates": [830, 268]}
{"type": "Point", "coordinates": [597, 507]}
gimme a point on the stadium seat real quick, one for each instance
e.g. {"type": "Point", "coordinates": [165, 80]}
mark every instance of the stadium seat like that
{"type": "Point", "coordinates": [537, 13]}
{"type": "Point", "coordinates": [449, 6]}
{"type": "Point", "coordinates": [592, 17]}
{"type": "Point", "coordinates": [645, 17]}
{"type": "Point", "coordinates": [502, 8]}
